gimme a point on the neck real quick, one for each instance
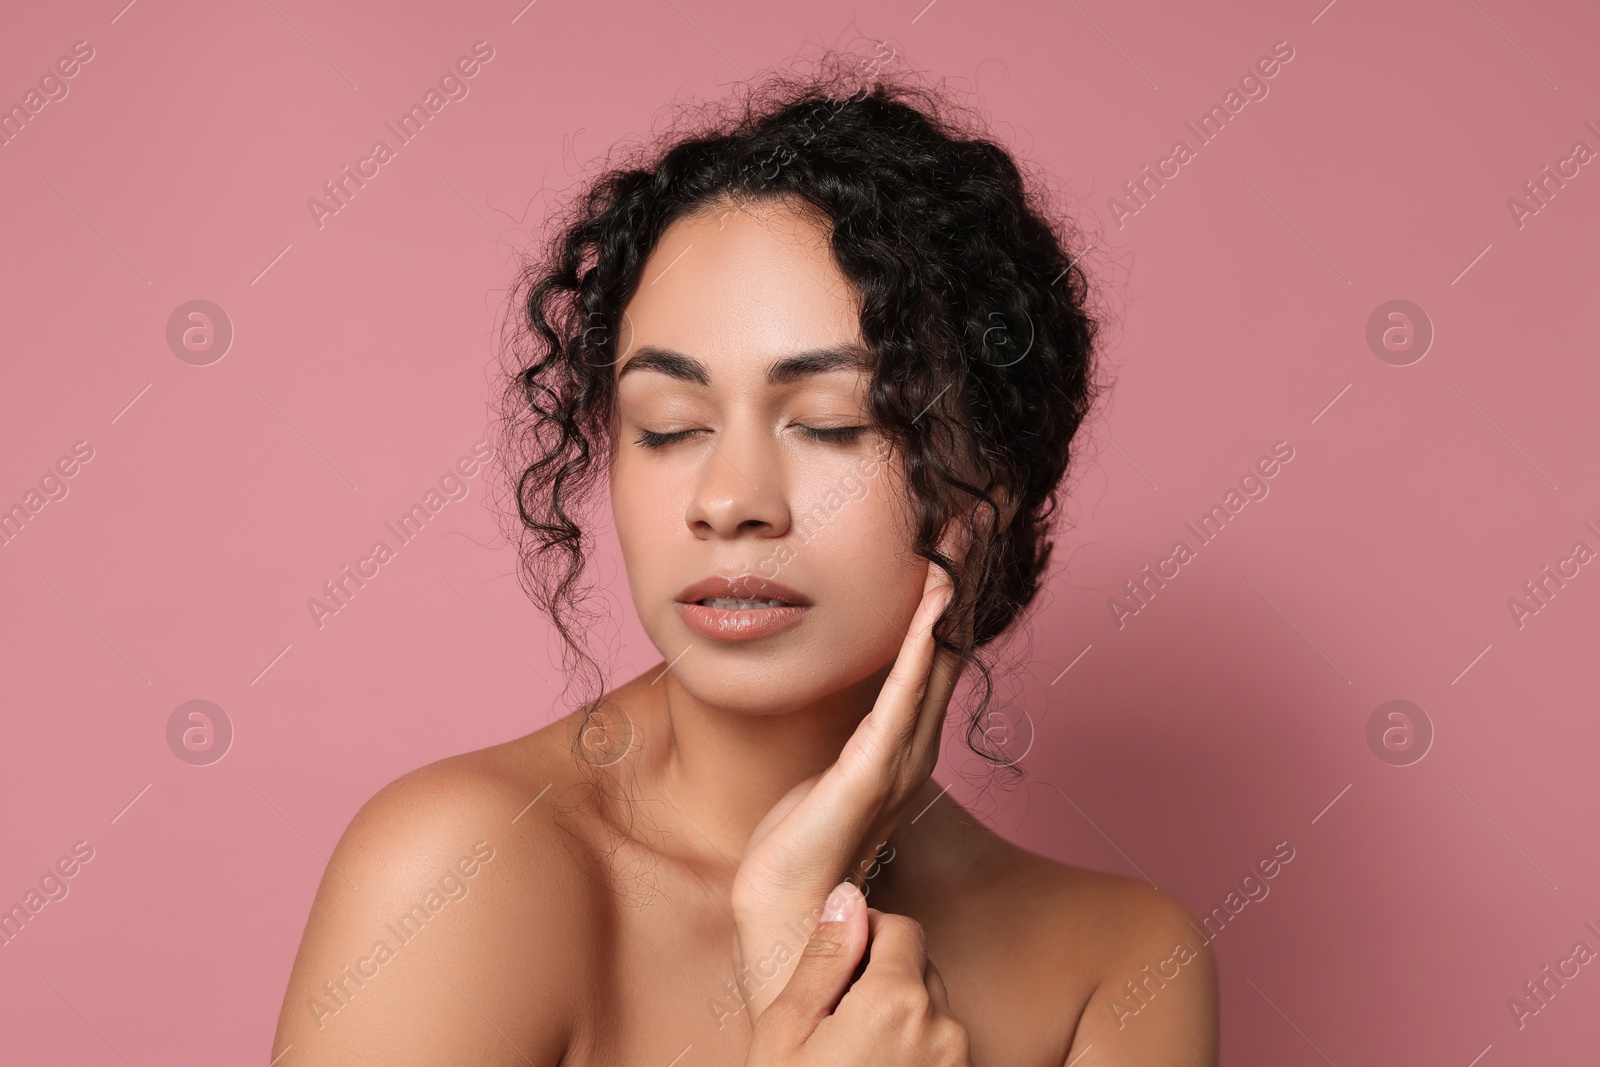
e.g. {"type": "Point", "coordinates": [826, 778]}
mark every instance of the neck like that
{"type": "Point", "coordinates": [718, 772]}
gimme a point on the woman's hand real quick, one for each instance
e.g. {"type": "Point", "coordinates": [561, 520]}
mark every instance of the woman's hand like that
{"type": "Point", "coordinates": [897, 1014]}
{"type": "Point", "coordinates": [835, 821]}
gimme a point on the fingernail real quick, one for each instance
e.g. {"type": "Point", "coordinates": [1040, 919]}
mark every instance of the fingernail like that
{"type": "Point", "coordinates": [841, 902]}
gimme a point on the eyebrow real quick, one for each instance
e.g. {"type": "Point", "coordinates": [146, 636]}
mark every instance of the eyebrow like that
{"type": "Point", "coordinates": [781, 372]}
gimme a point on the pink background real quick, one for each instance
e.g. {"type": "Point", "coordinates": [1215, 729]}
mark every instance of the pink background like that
{"type": "Point", "coordinates": [1228, 715]}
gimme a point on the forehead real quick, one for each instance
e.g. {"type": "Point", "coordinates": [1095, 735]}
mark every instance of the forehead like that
{"type": "Point", "coordinates": [740, 287]}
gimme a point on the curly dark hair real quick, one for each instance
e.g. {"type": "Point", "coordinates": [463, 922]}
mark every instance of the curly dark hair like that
{"type": "Point", "coordinates": [972, 304]}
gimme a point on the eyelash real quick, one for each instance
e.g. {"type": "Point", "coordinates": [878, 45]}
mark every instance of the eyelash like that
{"type": "Point", "coordinates": [836, 435]}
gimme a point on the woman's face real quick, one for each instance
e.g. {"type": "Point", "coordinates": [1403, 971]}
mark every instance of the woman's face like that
{"type": "Point", "coordinates": [746, 471]}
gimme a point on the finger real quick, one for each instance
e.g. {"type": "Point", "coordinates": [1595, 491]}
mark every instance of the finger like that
{"type": "Point", "coordinates": [896, 712]}
{"type": "Point", "coordinates": [897, 949]}
{"type": "Point", "coordinates": [943, 675]}
{"type": "Point", "coordinates": [945, 670]}
{"type": "Point", "coordinates": [917, 731]}
{"type": "Point", "coordinates": [937, 993]}
{"type": "Point", "coordinates": [824, 969]}
{"type": "Point", "coordinates": [942, 678]}
{"type": "Point", "coordinates": [937, 590]}
{"type": "Point", "coordinates": [910, 671]}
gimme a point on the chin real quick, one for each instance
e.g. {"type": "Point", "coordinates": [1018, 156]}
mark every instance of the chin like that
{"type": "Point", "coordinates": [780, 674]}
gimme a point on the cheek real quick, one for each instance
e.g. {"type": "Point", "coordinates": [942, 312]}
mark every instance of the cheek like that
{"type": "Point", "coordinates": [861, 550]}
{"type": "Point", "coordinates": [641, 507]}
{"type": "Point", "coordinates": [874, 527]}
{"type": "Point", "coordinates": [646, 495]}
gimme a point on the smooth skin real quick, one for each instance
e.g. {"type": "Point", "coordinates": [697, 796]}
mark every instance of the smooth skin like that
{"type": "Point", "coordinates": [726, 790]}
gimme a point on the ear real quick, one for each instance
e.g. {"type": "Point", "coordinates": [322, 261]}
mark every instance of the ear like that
{"type": "Point", "coordinates": [1004, 503]}
{"type": "Point", "coordinates": [956, 541]}
{"type": "Point", "coordinates": [978, 520]}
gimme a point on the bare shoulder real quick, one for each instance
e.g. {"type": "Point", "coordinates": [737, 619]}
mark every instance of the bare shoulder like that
{"type": "Point", "coordinates": [451, 921]}
{"type": "Point", "coordinates": [1144, 974]}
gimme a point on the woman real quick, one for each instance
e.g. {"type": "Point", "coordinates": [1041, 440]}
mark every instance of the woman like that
{"type": "Point", "coordinates": [828, 356]}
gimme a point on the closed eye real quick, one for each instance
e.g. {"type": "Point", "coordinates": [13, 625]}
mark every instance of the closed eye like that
{"type": "Point", "coordinates": [652, 439]}
{"type": "Point", "coordinates": [840, 434]}
{"type": "Point", "coordinates": [832, 434]}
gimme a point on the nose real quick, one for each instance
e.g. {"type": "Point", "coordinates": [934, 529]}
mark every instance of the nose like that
{"type": "Point", "coordinates": [741, 488]}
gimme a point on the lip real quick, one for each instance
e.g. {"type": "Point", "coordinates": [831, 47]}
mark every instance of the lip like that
{"type": "Point", "coordinates": [751, 586]}
{"type": "Point", "coordinates": [724, 624]}
{"type": "Point", "coordinates": [732, 624]}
